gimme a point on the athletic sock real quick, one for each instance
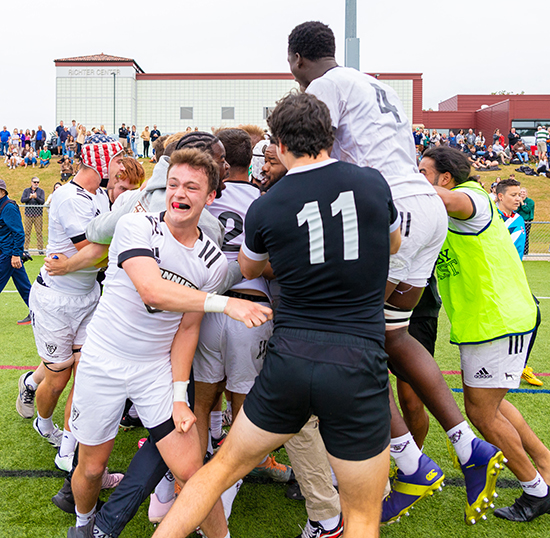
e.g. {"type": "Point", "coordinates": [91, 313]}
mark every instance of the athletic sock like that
{"type": "Point", "coordinates": [82, 519]}
{"type": "Point", "coordinates": [227, 535]}
{"type": "Point", "coordinates": [30, 382]}
{"type": "Point", "coordinates": [263, 461]}
{"type": "Point", "coordinates": [334, 479]}
{"type": "Point", "coordinates": [536, 487]}
{"type": "Point", "coordinates": [331, 523]}
{"type": "Point", "coordinates": [461, 437]}
{"type": "Point", "coordinates": [406, 453]}
{"type": "Point", "coordinates": [133, 411]}
{"type": "Point", "coordinates": [228, 497]}
{"type": "Point", "coordinates": [68, 444]}
{"type": "Point", "coordinates": [216, 424]}
{"type": "Point", "coordinates": [229, 407]}
{"type": "Point", "coordinates": [210, 448]}
{"type": "Point", "coordinates": [165, 488]}
{"type": "Point", "coordinates": [45, 425]}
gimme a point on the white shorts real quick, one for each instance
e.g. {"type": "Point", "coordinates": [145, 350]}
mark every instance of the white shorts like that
{"type": "Point", "coordinates": [102, 385]}
{"type": "Point", "coordinates": [228, 348]}
{"type": "Point", "coordinates": [59, 320]}
{"type": "Point", "coordinates": [424, 225]}
{"type": "Point", "coordinates": [497, 364]}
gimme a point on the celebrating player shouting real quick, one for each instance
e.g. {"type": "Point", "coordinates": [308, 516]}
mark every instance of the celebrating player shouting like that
{"type": "Point", "coordinates": [157, 264]}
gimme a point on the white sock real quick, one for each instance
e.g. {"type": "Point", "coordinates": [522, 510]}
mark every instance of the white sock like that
{"type": "Point", "coordinates": [216, 424]}
{"type": "Point", "coordinates": [406, 453]}
{"type": "Point", "coordinates": [334, 479]}
{"type": "Point", "coordinates": [30, 382]}
{"type": "Point", "coordinates": [229, 407]}
{"type": "Point", "coordinates": [68, 444]}
{"type": "Point", "coordinates": [227, 535]}
{"type": "Point", "coordinates": [228, 496]}
{"type": "Point", "coordinates": [133, 411]}
{"type": "Point", "coordinates": [461, 437]}
{"type": "Point", "coordinates": [536, 487]}
{"type": "Point", "coordinates": [330, 524]}
{"type": "Point", "coordinates": [210, 448]}
{"type": "Point", "coordinates": [82, 519]}
{"type": "Point", "coordinates": [263, 461]}
{"type": "Point", "coordinates": [165, 488]}
{"type": "Point", "coordinates": [45, 425]}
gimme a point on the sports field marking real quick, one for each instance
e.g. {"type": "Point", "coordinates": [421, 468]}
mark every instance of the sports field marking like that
{"type": "Point", "coordinates": [457, 372]}
{"type": "Point", "coordinates": [12, 367]}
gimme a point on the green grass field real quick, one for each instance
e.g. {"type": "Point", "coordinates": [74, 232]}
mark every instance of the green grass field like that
{"type": "Point", "coordinates": [28, 477]}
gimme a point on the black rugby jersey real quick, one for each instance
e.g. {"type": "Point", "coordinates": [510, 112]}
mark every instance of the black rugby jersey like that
{"type": "Point", "coordinates": [326, 230]}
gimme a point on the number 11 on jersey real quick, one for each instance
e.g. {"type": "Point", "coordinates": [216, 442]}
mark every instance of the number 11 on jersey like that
{"type": "Point", "coordinates": [310, 213]}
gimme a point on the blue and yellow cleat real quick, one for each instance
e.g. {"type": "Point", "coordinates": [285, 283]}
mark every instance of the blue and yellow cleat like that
{"type": "Point", "coordinates": [407, 490]}
{"type": "Point", "coordinates": [480, 474]}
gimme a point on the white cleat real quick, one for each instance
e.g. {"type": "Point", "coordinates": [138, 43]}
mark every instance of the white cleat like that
{"type": "Point", "coordinates": [54, 438]}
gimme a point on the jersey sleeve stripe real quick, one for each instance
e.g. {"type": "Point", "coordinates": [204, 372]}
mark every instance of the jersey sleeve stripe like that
{"type": "Point", "coordinates": [78, 238]}
{"type": "Point", "coordinates": [213, 260]}
{"type": "Point", "coordinates": [134, 253]}
{"type": "Point", "coordinates": [253, 255]}
{"type": "Point", "coordinates": [395, 224]}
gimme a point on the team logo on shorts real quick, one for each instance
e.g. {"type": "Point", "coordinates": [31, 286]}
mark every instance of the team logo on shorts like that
{"type": "Point", "coordinates": [75, 413]}
{"type": "Point", "coordinates": [483, 374]}
{"type": "Point", "coordinates": [509, 376]}
{"type": "Point", "coordinates": [51, 348]}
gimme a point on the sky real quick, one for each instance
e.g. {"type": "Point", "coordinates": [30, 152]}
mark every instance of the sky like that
{"type": "Point", "coordinates": [460, 48]}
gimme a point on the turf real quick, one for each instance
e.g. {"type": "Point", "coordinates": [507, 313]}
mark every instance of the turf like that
{"type": "Point", "coordinates": [28, 477]}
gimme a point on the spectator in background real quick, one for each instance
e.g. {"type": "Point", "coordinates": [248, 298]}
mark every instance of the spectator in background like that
{"type": "Point", "coordinates": [15, 140]}
{"type": "Point", "coordinates": [45, 157]}
{"type": "Point", "coordinates": [520, 151]}
{"type": "Point", "coordinates": [526, 209]}
{"type": "Point", "coordinates": [30, 158]}
{"type": "Point", "coordinates": [435, 138]}
{"type": "Point", "coordinates": [67, 169]}
{"type": "Point", "coordinates": [470, 137]}
{"type": "Point", "coordinates": [4, 141]}
{"type": "Point", "coordinates": [155, 134]}
{"type": "Point", "coordinates": [14, 159]}
{"type": "Point", "coordinates": [55, 187]}
{"type": "Point", "coordinates": [70, 147]}
{"type": "Point", "coordinates": [33, 139]}
{"type": "Point", "coordinates": [133, 140]}
{"type": "Point", "coordinates": [80, 139]}
{"type": "Point", "coordinates": [12, 238]}
{"type": "Point", "coordinates": [102, 129]}
{"type": "Point", "coordinates": [28, 138]}
{"type": "Point", "coordinates": [452, 139]}
{"type": "Point", "coordinates": [63, 137]}
{"type": "Point", "coordinates": [542, 166]}
{"type": "Point", "coordinates": [73, 130]}
{"type": "Point", "coordinates": [540, 137]}
{"type": "Point", "coordinates": [498, 149]}
{"type": "Point", "coordinates": [417, 135]}
{"type": "Point", "coordinates": [460, 137]}
{"type": "Point", "coordinates": [40, 138]}
{"type": "Point", "coordinates": [513, 137]}
{"type": "Point", "coordinates": [22, 139]}
{"type": "Point", "coordinates": [480, 140]}
{"type": "Point", "coordinates": [146, 137]}
{"type": "Point", "coordinates": [34, 198]}
{"type": "Point", "coordinates": [123, 136]}
{"type": "Point", "coordinates": [59, 129]}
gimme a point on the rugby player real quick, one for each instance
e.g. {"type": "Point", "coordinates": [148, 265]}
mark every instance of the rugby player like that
{"type": "Point", "coordinates": [326, 354]}
{"type": "Point", "coordinates": [372, 129]}
{"type": "Point", "coordinates": [62, 306]}
{"type": "Point", "coordinates": [166, 258]}
{"type": "Point", "coordinates": [508, 200]}
{"type": "Point", "coordinates": [492, 322]}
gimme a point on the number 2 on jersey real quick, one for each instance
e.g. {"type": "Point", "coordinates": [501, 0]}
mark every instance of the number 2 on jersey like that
{"type": "Point", "coordinates": [310, 213]}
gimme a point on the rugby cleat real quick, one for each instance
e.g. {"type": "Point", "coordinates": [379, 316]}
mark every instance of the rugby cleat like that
{"type": "Point", "coordinates": [158, 510]}
{"type": "Point", "coordinates": [525, 508]}
{"type": "Point", "coordinates": [314, 529]}
{"type": "Point", "coordinates": [54, 438]}
{"type": "Point", "coordinates": [480, 474]}
{"type": "Point", "coordinates": [278, 472]}
{"type": "Point", "coordinates": [529, 376]}
{"type": "Point", "coordinates": [25, 400]}
{"type": "Point", "coordinates": [64, 463]}
{"type": "Point", "coordinates": [407, 490]}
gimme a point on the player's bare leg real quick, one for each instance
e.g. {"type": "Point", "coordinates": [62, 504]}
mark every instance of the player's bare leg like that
{"type": "Point", "coordinates": [56, 377]}
{"type": "Point", "coordinates": [206, 397]}
{"type": "Point", "coordinates": [414, 413]}
{"type": "Point", "coordinates": [244, 447]}
{"type": "Point", "coordinates": [483, 409]}
{"type": "Point", "coordinates": [86, 480]}
{"type": "Point", "coordinates": [171, 448]}
{"type": "Point", "coordinates": [361, 486]}
{"type": "Point", "coordinates": [531, 443]}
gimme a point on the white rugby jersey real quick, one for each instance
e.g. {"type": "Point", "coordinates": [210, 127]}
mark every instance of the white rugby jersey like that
{"type": "Point", "coordinates": [122, 324]}
{"type": "Point", "coordinates": [71, 209]}
{"type": "Point", "coordinates": [371, 128]}
{"type": "Point", "coordinates": [231, 210]}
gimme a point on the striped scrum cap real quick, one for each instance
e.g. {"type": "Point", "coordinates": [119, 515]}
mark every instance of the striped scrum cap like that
{"type": "Point", "coordinates": [97, 152]}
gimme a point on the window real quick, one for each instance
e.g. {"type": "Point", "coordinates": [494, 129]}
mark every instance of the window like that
{"type": "Point", "coordinates": [267, 111]}
{"type": "Point", "coordinates": [228, 112]}
{"type": "Point", "coordinates": [186, 113]}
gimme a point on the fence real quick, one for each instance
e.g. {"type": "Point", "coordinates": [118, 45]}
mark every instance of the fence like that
{"type": "Point", "coordinates": [538, 238]}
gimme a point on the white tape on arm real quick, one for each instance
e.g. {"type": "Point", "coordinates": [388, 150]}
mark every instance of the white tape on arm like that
{"type": "Point", "coordinates": [180, 391]}
{"type": "Point", "coordinates": [215, 303]}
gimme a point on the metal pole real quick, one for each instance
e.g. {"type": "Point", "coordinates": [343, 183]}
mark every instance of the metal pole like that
{"type": "Point", "coordinates": [114, 103]}
{"type": "Point", "coordinates": [352, 41]}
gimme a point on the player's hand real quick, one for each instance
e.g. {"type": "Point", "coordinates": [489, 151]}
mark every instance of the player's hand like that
{"type": "Point", "coordinates": [251, 314]}
{"type": "Point", "coordinates": [16, 262]}
{"type": "Point", "coordinates": [57, 267]}
{"type": "Point", "coordinates": [183, 417]}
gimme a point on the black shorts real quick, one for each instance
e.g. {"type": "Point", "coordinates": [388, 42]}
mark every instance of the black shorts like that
{"type": "Point", "coordinates": [342, 379]}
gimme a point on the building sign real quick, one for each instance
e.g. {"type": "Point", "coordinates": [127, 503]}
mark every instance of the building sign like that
{"type": "Point", "coordinates": [86, 71]}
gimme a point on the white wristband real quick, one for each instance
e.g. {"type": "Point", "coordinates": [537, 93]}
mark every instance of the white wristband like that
{"type": "Point", "coordinates": [180, 391]}
{"type": "Point", "coordinates": [215, 303]}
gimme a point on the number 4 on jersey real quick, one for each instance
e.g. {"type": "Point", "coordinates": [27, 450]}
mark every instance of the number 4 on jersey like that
{"type": "Point", "coordinates": [310, 213]}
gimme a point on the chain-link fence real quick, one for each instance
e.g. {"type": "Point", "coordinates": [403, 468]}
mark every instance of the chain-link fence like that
{"type": "Point", "coordinates": [35, 222]}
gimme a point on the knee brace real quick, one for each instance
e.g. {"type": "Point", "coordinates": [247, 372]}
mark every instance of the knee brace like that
{"type": "Point", "coordinates": [396, 318]}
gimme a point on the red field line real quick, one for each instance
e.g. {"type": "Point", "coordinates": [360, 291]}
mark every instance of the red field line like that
{"type": "Point", "coordinates": [12, 367]}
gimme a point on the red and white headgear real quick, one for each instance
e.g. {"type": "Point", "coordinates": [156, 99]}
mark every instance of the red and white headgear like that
{"type": "Point", "coordinates": [97, 152]}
